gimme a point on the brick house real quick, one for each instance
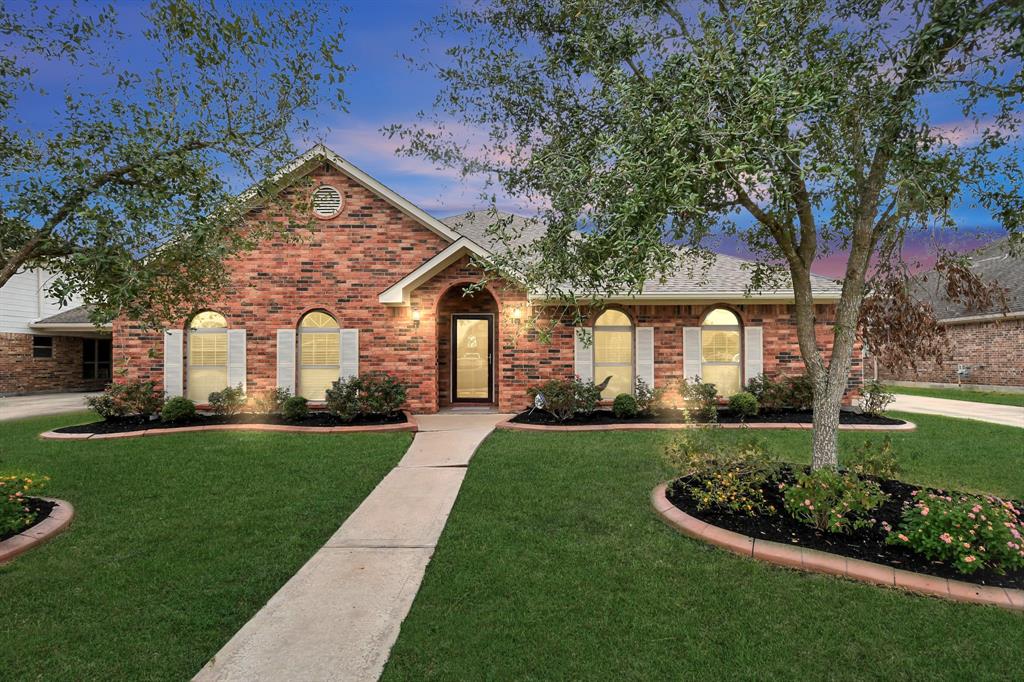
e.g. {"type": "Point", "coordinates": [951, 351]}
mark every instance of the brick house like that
{"type": "Point", "coordinates": [986, 347]}
{"type": "Point", "coordinates": [47, 348]}
{"type": "Point", "coordinates": [380, 287]}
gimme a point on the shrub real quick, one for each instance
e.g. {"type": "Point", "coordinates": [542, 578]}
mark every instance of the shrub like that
{"type": "Point", "coordinates": [270, 401]}
{"type": "Point", "coordinates": [725, 476]}
{"type": "Point", "coordinates": [832, 502]}
{"type": "Point", "coordinates": [798, 392]}
{"type": "Point", "coordinates": [127, 399]}
{"type": "Point", "coordinates": [788, 393]}
{"type": "Point", "coordinates": [380, 393]}
{"type": "Point", "coordinates": [588, 396]}
{"type": "Point", "coordinates": [295, 408]}
{"type": "Point", "coordinates": [624, 406]}
{"type": "Point", "coordinates": [648, 400]}
{"type": "Point", "coordinates": [743, 405]}
{"type": "Point", "coordinates": [564, 398]}
{"type": "Point", "coordinates": [343, 399]}
{"type": "Point", "coordinates": [178, 410]}
{"type": "Point", "coordinates": [15, 513]}
{"type": "Point", "coordinates": [701, 398]}
{"type": "Point", "coordinates": [227, 402]}
{"type": "Point", "coordinates": [869, 460]}
{"type": "Point", "coordinates": [875, 398]}
{"type": "Point", "coordinates": [969, 532]}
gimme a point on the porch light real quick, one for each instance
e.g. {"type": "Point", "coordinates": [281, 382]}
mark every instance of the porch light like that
{"type": "Point", "coordinates": [416, 317]}
{"type": "Point", "coordinates": [517, 314]}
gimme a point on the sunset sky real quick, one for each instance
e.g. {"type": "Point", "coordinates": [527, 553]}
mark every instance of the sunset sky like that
{"type": "Point", "coordinates": [384, 90]}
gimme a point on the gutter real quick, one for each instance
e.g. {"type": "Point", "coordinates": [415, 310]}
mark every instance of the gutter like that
{"type": "Point", "coordinates": [988, 317]}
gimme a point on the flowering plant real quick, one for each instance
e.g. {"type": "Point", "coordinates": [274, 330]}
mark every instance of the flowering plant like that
{"type": "Point", "coordinates": [833, 502]}
{"type": "Point", "coordinates": [724, 476]}
{"type": "Point", "coordinates": [15, 513]}
{"type": "Point", "coordinates": [967, 531]}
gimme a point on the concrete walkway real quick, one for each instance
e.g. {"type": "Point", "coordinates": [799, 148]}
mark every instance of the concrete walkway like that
{"type": "Point", "coordinates": [19, 406]}
{"type": "Point", "coordinates": [1007, 415]}
{"type": "Point", "coordinates": [338, 617]}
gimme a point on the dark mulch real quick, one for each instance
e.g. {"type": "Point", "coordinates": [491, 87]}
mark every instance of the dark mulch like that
{"type": "Point", "coordinates": [534, 416]}
{"type": "Point", "coordinates": [867, 544]}
{"type": "Point", "coordinates": [39, 508]}
{"type": "Point", "coordinates": [318, 418]}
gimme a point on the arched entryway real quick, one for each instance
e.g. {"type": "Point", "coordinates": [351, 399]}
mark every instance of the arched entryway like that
{"type": "Point", "coordinates": [467, 330]}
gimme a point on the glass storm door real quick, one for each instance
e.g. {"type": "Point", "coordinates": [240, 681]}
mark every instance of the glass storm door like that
{"type": "Point", "coordinates": [471, 361]}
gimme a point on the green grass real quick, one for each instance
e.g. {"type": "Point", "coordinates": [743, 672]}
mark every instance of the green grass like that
{"type": "Point", "coordinates": [553, 566]}
{"type": "Point", "coordinates": [177, 541]}
{"type": "Point", "coordinates": [991, 397]}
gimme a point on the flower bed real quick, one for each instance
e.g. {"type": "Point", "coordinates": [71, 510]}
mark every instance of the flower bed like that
{"type": "Point", "coordinates": [38, 509]}
{"type": "Point", "coordinates": [607, 418]}
{"type": "Point", "coordinates": [879, 542]}
{"type": "Point", "coordinates": [313, 419]}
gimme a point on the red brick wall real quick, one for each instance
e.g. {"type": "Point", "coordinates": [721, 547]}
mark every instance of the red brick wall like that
{"type": "Point", "coordinates": [367, 248]}
{"type": "Point", "coordinates": [22, 373]}
{"type": "Point", "coordinates": [993, 350]}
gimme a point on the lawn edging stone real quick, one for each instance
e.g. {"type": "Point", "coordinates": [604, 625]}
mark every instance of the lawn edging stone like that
{"type": "Point", "coordinates": [815, 561]}
{"type": "Point", "coordinates": [509, 425]}
{"type": "Point", "coordinates": [56, 521]}
{"type": "Point", "coordinates": [409, 425]}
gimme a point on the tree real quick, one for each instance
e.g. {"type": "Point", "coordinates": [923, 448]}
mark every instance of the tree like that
{"type": "Point", "coordinates": [797, 126]}
{"type": "Point", "coordinates": [125, 192]}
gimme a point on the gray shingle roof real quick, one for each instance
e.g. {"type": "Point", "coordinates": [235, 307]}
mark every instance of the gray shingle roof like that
{"type": "Point", "coordinates": [993, 263]}
{"type": "Point", "coordinates": [726, 275]}
{"type": "Point", "coordinates": [79, 315]}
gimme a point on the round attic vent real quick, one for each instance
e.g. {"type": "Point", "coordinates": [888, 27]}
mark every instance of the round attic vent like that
{"type": "Point", "coordinates": [326, 202]}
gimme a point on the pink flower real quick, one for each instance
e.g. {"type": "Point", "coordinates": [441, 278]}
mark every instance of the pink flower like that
{"type": "Point", "coordinates": [970, 515]}
{"type": "Point", "coordinates": [976, 508]}
{"type": "Point", "coordinates": [967, 545]}
{"type": "Point", "coordinates": [969, 559]}
{"type": "Point", "coordinates": [903, 537]}
{"type": "Point", "coordinates": [924, 511]}
{"type": "Point", "coordinates": [946, 537]}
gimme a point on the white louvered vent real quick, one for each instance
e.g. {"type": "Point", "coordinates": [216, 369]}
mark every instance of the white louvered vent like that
{"type": "Point", "coordinates": [326, 201]}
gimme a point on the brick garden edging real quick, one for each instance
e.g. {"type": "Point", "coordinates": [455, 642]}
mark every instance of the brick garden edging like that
{"type": "Point", "coordinates": [409, 425]}
{"type": "Point", "coordinates": [814, 561]}
{"type": "Point", "coordinates": [59, 518]}
{"type": "Point", "coordinates": [653, 426]}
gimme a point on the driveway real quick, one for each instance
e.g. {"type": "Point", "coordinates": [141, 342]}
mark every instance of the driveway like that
{"type": "Point", "coordinates": [1007, 415]}
{"type": "Point", "coordinates": [18, 406]}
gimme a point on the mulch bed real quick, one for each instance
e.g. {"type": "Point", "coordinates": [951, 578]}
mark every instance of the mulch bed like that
{"type": "Point", "coordinates": [128, 424]}
{"type": "Point", "coordinates": [867, 544]}
{"type": "Point", "coordinates": [40, 508]}
{"type": "Point", "coordinates": [534, 416]}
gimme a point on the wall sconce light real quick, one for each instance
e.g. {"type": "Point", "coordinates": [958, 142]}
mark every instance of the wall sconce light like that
{"type": "Point", "coordinates": [416, 317]}
{"type": "Point", "coordinates": [517, 315]}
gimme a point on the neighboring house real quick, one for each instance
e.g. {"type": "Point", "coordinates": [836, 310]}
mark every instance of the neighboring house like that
{"type": "Point", "coordinates": [986, 347]}
{"type": "Point", "coordinates": [46, 348]}
{"type": "Point", "coordinates": [380, 288]}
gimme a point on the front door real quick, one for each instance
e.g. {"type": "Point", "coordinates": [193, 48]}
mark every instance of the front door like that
{"type": "Point", "coordinates": [472, 363]}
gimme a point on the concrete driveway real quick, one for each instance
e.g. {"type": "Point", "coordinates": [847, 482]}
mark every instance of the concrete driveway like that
{"type": "Point", "coordinates": [1007, 415]}
{"type": "Point", "coordinates": [18, 406]}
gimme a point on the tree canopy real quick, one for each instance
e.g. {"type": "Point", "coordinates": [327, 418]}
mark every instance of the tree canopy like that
{"type": "Point", "coordinates": [127, 192]}
{"type": "Point", "coordinates": [799, 127]}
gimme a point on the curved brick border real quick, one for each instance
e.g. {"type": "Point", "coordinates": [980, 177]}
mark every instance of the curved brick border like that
{"type": "Point", "coordinates": [59, 518]}
{"type": "Point", "coordinates": [780, 426]}
{"type": "Point", "coordinates": [812, 560]}
{"type": "Point", "coordinates": [409, 425]}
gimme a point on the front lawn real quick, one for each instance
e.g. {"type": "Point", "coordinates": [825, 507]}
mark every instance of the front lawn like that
{"type": "Point", "coordinates": [553, 566]}
{"type": "Point", "coordinates": [177, 541]}
{"type": "Point", "coordinates": [991, 397]}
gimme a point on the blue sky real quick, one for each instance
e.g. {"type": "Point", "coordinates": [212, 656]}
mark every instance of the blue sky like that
{"type": "Point", "coordinates": [383, 89]}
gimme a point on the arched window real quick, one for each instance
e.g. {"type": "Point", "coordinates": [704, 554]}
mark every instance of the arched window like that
{"type": "Point", "coordinates": [613, 352]}
{"type": "Point", "coordinates": [720, 351]}
{"type": "Point", "coordinates": [319, 354]}
{"type": "Point", "coordinates": [207, 355]}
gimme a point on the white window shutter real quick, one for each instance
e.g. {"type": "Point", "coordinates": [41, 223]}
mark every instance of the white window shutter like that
{"type": "Point", "coordinates": [753, 353]}
{"type": "Point", "coordinates": [286, 359]}
{"type": "Point", "coordinates": [236, 358]}
{"type": "Point", "coordinates": [173, 362]}
{"type": "Point", "coordinates": [645, 355]}
{"type": "Point", "coordinates": [349, 353]}
{"type": "Point", "coordinates": [691, 352]}
{"type": "Point", "coordinates": [583, 353]}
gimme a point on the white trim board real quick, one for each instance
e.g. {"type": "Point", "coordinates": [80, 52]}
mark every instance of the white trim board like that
{"type": "Point", "coordinates": [399, 292]}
